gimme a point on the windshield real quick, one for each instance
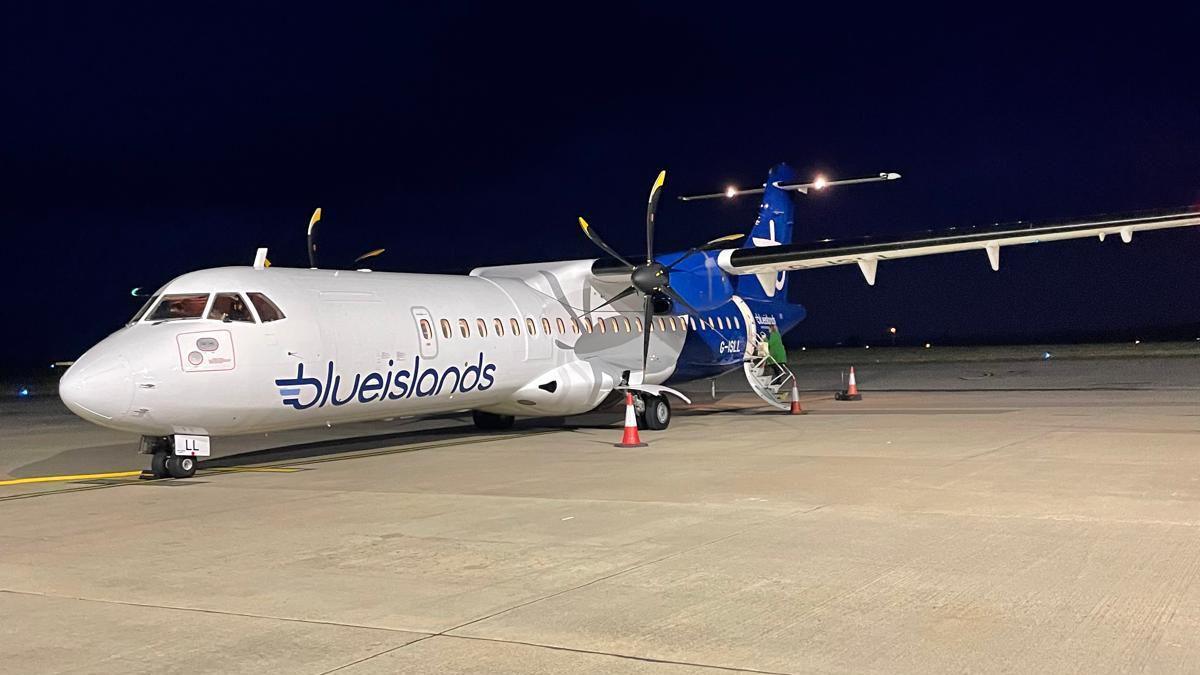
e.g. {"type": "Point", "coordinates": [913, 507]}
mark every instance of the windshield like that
{"type": "Point", "coordinates": [141, 312]}
{"type": "Point", "coordinates": [267, 310]}
{"type": "Point", "coordinates": [179, 306]}
{"type": "Point", "coordinates": [230, 307]}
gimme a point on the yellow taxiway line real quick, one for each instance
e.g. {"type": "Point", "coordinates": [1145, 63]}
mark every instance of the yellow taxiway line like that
{"type": "Point", "coordinates": [59, 479]}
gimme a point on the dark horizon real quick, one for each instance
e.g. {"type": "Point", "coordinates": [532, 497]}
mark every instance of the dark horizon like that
{"type": "Point", "coordinates": [147, 141]}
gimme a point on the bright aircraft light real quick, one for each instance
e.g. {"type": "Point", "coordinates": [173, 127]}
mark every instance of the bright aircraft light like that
{"type": "Point", "coordinates": [730, 191]}
{"type": "Point", "coordinates": [819, 182]}
{"type": "Point", "coordinates": [926, 345]}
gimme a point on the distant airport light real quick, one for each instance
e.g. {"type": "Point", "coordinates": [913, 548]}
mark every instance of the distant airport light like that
{"type": "Point", "coordinates": [868, 346]}
{"type": "Point", "coordinates": [819, 183]}
{"type": "Point", "coordinates": [927, 345]}
{"type": "Point", "coordinates": [730, 191]}
{"type": "Point", "coordinates": [1137, 342]}
{"type": "Point", "coordinates": [23, 392]}
{"type": "Point", "coordinates": [892, 330]}
{"type": "Point", "coordinates": [804, 349]}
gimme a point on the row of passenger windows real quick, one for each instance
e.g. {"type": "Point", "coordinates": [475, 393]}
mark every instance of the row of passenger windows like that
{"type": "Point", "coordinates": [617, 324]}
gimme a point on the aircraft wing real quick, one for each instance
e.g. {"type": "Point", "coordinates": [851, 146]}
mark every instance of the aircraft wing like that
{"type": "Point", "coordinates": [867, 252]}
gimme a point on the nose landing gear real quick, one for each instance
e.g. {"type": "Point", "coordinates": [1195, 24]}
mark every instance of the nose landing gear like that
{"type": "Point", "coordinates": [164, 462]}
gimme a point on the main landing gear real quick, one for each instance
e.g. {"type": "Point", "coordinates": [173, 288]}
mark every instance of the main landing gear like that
{"type": "Point", "coordinates": [653, 412]}
{"type": "Point", "coordinates": [486, 421]}
{"type": "Point", "coordinates": [164, 463]}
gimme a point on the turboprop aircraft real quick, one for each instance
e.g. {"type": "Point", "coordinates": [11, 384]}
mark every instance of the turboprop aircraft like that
{"type": "Point", "coordinates": [237, 350]}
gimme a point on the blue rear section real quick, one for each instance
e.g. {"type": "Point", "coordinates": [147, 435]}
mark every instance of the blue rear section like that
{"type": "Point", "coordinates": [707, 353]}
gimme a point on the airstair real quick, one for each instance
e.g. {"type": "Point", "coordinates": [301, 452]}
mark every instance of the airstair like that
{"type": "Point", "coordinates": [769, 379]}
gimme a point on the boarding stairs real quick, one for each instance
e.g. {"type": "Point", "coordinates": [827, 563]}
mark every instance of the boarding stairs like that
{"type": "Point", "coordinates": [770, 380]}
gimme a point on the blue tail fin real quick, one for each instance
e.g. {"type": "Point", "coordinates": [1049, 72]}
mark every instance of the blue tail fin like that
{"type": "Point", "coordinates": [773, 227]}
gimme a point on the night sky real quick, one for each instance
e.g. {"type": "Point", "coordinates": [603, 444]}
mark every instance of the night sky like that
{"type": "Point", "coordinates": [144, 141]}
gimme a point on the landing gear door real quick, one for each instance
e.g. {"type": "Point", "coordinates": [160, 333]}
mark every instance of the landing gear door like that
{"type": "Point", "coordinates": [423, 323]}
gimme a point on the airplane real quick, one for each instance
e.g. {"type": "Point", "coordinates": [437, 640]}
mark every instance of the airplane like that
{"type": "Point", "coordinates": [238, 350]}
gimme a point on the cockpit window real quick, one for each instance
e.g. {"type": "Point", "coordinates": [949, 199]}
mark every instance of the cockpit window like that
{"type": "Point", "coordinates": [179, 306]}
{"type": "Point", "coordinates": [230, 307]}
{"type": "Point", "coordinates": [267, 311]}
{"type": "Point", "coordinates": [142, 312]}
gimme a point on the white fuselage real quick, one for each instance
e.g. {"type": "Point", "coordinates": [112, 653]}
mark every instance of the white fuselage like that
{"type": "Point", "coordinates": [362, 345]}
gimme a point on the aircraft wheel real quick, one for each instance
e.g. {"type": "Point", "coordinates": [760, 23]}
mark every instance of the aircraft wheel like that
{"type": "Point", "coordinates": [658, 412]}
{"type": "Point", "coordinates": [158, 465]}
{"type": "Point", "coordinates": [181, 466]}
{"type": "Point", "coordinates": [491, 421]}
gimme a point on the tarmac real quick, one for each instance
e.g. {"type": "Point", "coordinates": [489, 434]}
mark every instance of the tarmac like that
{"type": "Point", "coordinates": [991, 516]}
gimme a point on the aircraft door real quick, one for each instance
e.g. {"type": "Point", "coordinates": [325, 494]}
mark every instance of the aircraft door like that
{"type": "Point", "coordinates": [426, 335]}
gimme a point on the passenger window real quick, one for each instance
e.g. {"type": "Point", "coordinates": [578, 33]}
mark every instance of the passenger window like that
{"type": "Point", "coordinates": [587, 324]}
{"type": "Point", "coordinates": [515, 325]}
{"type": "Point", "coordinates": [267, 311]}
{"type": "Point", "coordinates": [545, 326]}
{"type": "Point", "coordinates": [481, 326]}
{"type": "Point", "coordinates": [574, 325]}
{"type": "Point", "coordinates": [180, 306]}
{"type": "Point", "coordinates": [530, 326]}
{"type": "Point", "coordinates": [692, 322]}
{"type": "Point", "coordinates": [230, 307]}
{"type": "Point", "coordinates": [445, 328]}
{"type": "Point", "coordinates": [616, 326]}
{"type": "Point", "coordinates": [464, 327]}
{"type": "Point", "coordinates": [736, 323]}
{"type": "Point", "coordinates": [600, 326]}
{"type": "Point", "coordinates": [426, 330]}
{"type": "Point", "coordinates": [638, 322]}
{"type": "Point", "coordinates": [625, 320]}
{"type": "Point", "coordinates": [499, 326]}
{"type": "Point", "coordinates": [662, 324]}
{"type": "Point", "coordinates": [562, 327]}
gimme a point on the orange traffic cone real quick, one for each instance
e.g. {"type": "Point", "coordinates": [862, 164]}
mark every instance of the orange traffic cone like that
{"type": "Point", "coordinates": [631, 438]}
{"type": "Point", "coordinates": [851, 391]}
{"type": "Point", "coordinates": [796, 409]}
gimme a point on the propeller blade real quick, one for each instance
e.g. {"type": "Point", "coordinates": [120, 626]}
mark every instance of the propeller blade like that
{"type": "Point", "coordinates": [717, 243]}
{"type": "Point", "coordinates": [720, 242]}
{"type": "Point", "coordinates": [591, 234]}
{"type": "Point", "coordinates": [670, 293]}
{"type": "Point", "coordinates": [647, 322]}
{"type": "Point", "coordinates": [651, 207]}
{"type": "Point", "coordinates": [623, 294]}
{"type": "Point", "coordinates": [312, 238]}
{"type": "Point", "coordinates": [369, 254]}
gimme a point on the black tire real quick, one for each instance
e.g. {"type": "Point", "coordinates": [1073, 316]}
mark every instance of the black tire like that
{"type": "Point", "coordinates": [486, 421]}
{"type": "Point", "coordinates": [658, 413]}
{"type": "Point", "coordinates": [181, 466]}
{"type": "Point", "coordinates": [158, 465]}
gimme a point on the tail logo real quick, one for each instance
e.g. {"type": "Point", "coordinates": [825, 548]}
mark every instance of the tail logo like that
{"type": "Point", "coordinates": [770, 281]}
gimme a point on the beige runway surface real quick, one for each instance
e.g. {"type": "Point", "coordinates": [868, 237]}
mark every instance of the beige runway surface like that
{"type": "Point", "coordinates": [994, 517]}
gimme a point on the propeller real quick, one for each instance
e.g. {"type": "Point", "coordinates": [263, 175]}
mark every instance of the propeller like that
{"type": "Point", "coordinates": [312, 238]}
{"type": "Point", "coordinates": [312, 243]}
{"type": "Point", "coordinates": [369, 254]}
{"type": "Point", "coordinates": [651, 277]}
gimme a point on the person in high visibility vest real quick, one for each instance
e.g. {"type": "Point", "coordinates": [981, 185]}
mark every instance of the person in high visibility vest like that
{"type": "Point", "coordinates": [775, 346]}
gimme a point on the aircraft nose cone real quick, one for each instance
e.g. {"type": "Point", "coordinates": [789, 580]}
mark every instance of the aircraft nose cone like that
{"type": "Point", "coordinates": [98, 387]}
